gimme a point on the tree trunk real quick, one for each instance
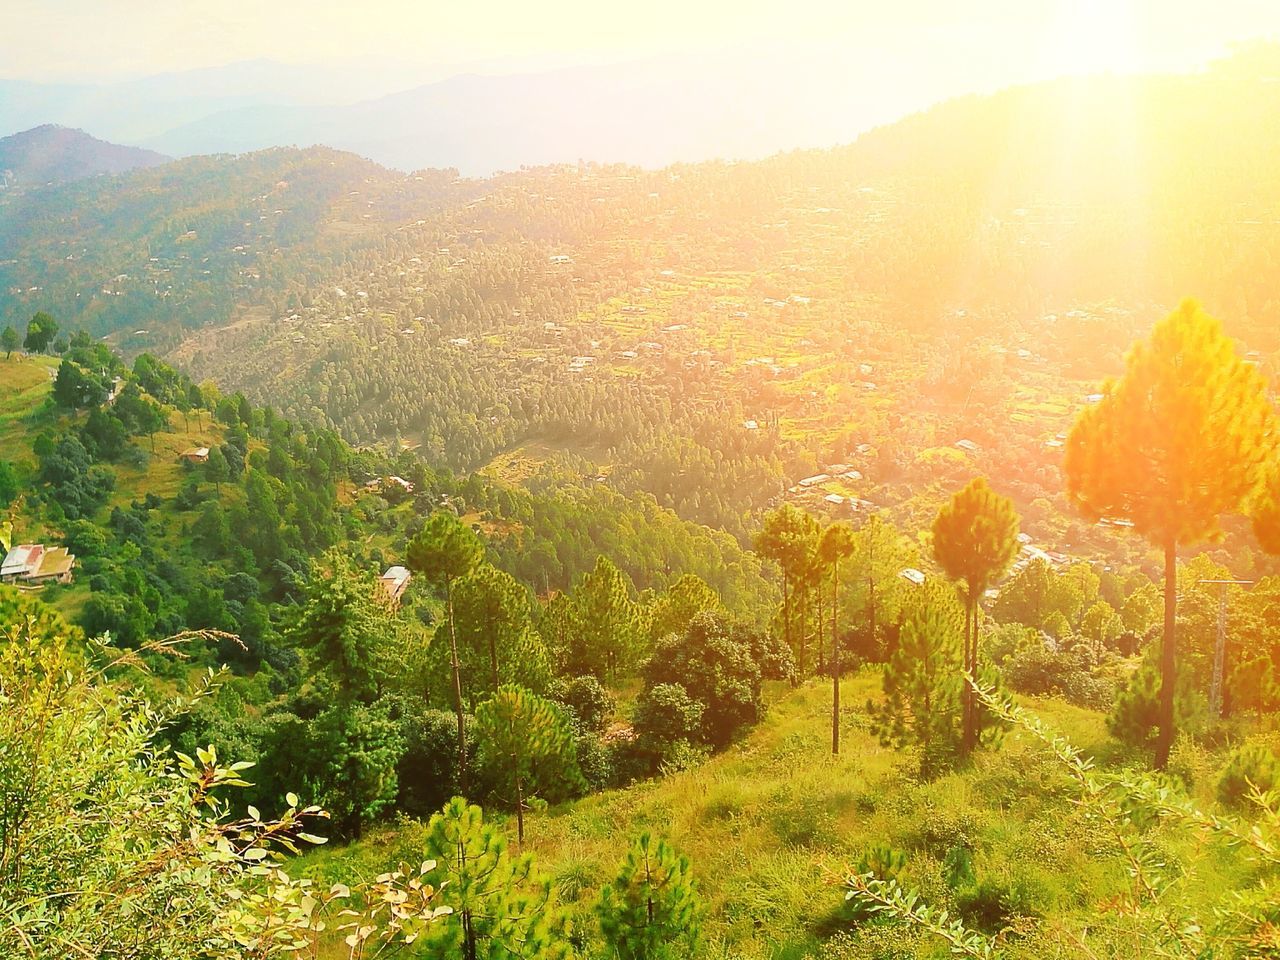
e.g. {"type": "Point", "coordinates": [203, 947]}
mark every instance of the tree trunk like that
{"type": "Point", "coordinates": [519, 809]}
{"type": "Point", "coordinates": [457, 691]}
{"type": "Point", "coordinates": [1168, 656]}
{"type": "Point", "coordinates": [835, 658]}
{"type": "Point", "coordinates": [966, 692]}
{"type": "Point", "coordinates": [822, 625]}
{"type": "Point", "coordinates": [786, 620]}
{"type": "Point", "coordinates": [871, 619]}
{"type": "Point", "coordinates": [493, 659]}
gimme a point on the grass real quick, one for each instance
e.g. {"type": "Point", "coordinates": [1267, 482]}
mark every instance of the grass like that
{"type": "Point", "coordinates": [772, 824]}
{"type": "Point", "coordinates": [24, 384]}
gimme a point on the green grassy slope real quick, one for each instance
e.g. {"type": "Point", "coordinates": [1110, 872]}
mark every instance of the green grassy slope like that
{"type": "Point", "coordinates": [772, 824]}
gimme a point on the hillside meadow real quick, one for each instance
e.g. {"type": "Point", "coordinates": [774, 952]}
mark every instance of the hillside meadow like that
{"type": "Point", "coordinates": [775, 823]}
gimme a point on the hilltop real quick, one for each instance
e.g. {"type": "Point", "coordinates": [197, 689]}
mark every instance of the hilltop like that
{"type": "Point", "coordinates": [54, 154]}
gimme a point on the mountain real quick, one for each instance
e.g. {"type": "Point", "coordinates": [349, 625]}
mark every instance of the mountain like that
{"type": "Point", "coordinates": [968, 273]}
{"type": "Point", "coordinates": [131, 111]}
{"type": "Point", "coordinates": [49, 153]}
{"type": "Point", "coordinates": [649, 113]}
{"type": "Point", "coordinates": [734, 103]}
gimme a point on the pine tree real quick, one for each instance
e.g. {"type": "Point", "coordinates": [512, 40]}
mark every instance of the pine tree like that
{"type": "Point", "coordinates": [500, 908]}
{"type": "Point", "coordinates": [837, 544]}
{"type": "Point", "coordinates": [1266, 511]}
{"type": "Point", "coordinates": [606, 625]}
{"type": "Point", "coordinates": [975, 538]}
{"type": "Point", "coordinates": [651, 911]}
{"type": "Point", "coordinates": [923, 683]}
{"type": "Point", "coordinates": [788, 538]}
{"type": "Point", "coordinates": [496, 640]}
{"type": "Point", "coordinates": [444, 551]}
{"type": "Point", "coordinates": [527, 745]}
{"type": "Point", "coordinates": [9, 341]}
{"type": "Point", "coordinates": [1177, 441]}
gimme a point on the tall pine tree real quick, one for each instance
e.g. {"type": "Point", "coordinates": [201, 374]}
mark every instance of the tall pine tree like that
{"type": "Point", "coordinates": [1180, 439]}
{"type": "Point", "coordinates": [975, 538]}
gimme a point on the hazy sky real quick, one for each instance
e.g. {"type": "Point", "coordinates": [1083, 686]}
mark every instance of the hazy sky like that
{"type": "Point", "coordinates": [425, 39]}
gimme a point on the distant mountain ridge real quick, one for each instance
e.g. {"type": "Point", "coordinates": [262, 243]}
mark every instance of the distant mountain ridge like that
{"type": "Point", "coordinates": [50, 153]}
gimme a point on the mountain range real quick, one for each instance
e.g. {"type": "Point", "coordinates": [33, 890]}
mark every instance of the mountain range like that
{"type": "Point", "coordinates": [743, 104]}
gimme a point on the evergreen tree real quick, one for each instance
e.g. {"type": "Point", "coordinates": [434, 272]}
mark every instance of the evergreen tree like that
{"type": "Point", "coordinates": [215, 469]}
{"type": "Point", "coordinates": [9, 341]}
{"type": "Point", "coordinates": [344, 624]}
{"type": "Point", "coordinates": [605, 637]}
{"type": "Point", "coordinates": [444, 551]}
{"type": "Point", "coordinates": [975, 538]}
{"type": "Point", "coordinates": [923, 683]}
{"type": "Point", "coordinates": [880, 553]}
{"type": "Point", "coordinates": [673, 611]}
{"type": "Point", "coordinates": [652, 910]}
{"type": "Point", "coordinates": [526, 743]}
{"type": "Point", "coordinates": [788, 538]}
{"type": "Point", "coordinates": [1266, 510]}
{"type": "Point", "coordinates": [1177, 441]}
{"type": "Point", "coordinates": [496, 640]}
{"type": "Point", "coordinates": [500, 908]}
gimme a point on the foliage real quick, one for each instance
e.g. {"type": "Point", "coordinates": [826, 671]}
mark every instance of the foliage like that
{"type": "Point", "coordinates": [714, 661]}
{"type": "Point", "coordinates": [651, 909]}
{"type": "Point", "coordinates": [587, 699]}
{"type": "Point", "coordinates": [1250, 770]}
{"type": "Point", "coordinates": [526, 745]}
{"type": "Point", "coordinates": [665, 715]}
{"type": "Point", "coordinates": [500, 908]}
{"type": "Point", "coordinates": [114, 847]}
{"type": "Point", "coordinates": [1178, 441]}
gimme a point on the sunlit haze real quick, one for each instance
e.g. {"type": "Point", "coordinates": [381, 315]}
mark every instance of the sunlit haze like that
{"type": "Point", "coordinates": [639, 479]}
{"type": "Point", "coordinates": [1001, 41]}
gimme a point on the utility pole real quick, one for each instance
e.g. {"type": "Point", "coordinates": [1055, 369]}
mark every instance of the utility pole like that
{"type": "Point", "coordinates": [1220, 646]}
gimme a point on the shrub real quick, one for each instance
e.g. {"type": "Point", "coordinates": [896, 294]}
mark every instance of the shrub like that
{"type": "Point", "coordinates": [428, 768]}
{"type": "Point", "coordinates": [716, 665]}
{"type": "Point", "coordinates": [586, 698]}
{"type": "Point", "coordinates": [665, 715]}
{"type": "Point", "coordinates": [1249, 768]}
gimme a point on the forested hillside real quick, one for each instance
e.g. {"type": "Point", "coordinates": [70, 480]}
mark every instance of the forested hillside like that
{"type": "Point", "coordinates": [706, 334]}
{"type": "Point", "coordinates": [862, 554]}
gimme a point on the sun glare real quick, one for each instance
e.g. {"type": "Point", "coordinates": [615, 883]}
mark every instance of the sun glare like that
{"type": "Point", "coordinates": [1093, 36]}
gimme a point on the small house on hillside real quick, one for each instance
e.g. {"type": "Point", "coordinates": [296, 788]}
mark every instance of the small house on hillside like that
{"type": "Point", "coordinates": [912, 575]}
{"type": "Point", "coordinates": [195, 455]}
{"type": "Point", "coordinates": [34, 563]}
{"type": "Point", "coordinates": [395, 581]}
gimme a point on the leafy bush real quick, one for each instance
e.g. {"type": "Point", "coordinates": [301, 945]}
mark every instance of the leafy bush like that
{"type": "Point", "coordinates": [1249, 768]}
{"type": "Point", "coordinates": [586, 698]}
{"type": "Point", "coordinates": [716, 665]}
{"type": "Point", "coordinates": [666, 715]}
{"type": "Point", "coordinates": [1041, 670]}
{"type": "Point", "coordinates": [428, 768]}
